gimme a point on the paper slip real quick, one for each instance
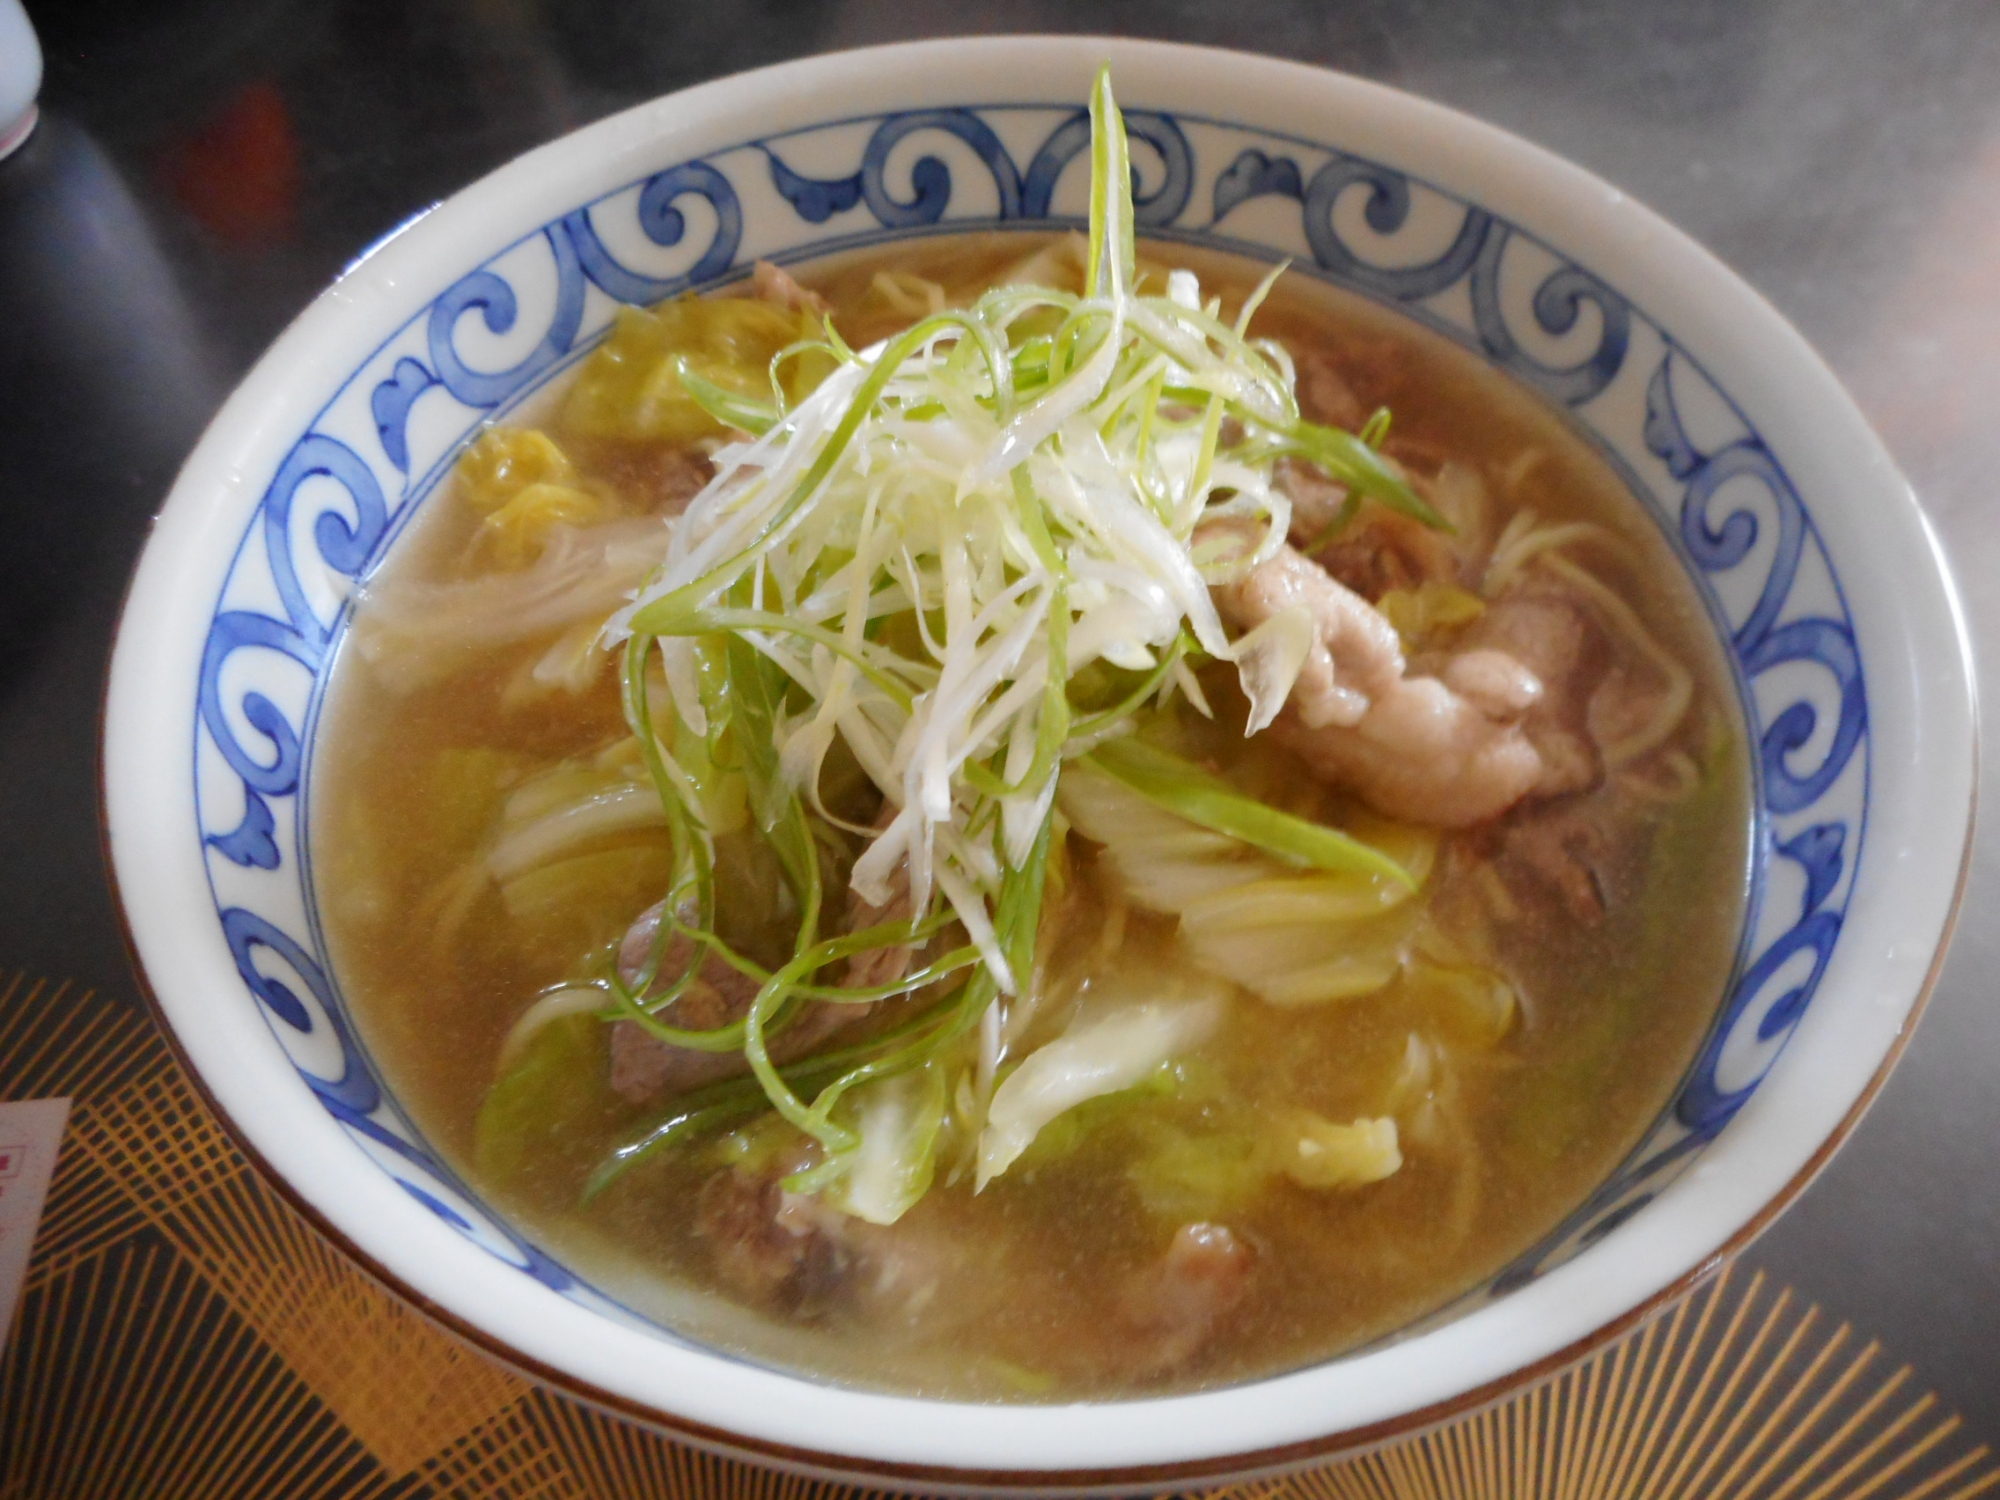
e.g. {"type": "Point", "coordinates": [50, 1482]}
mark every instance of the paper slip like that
{"type": "Point", "coordinates": [30, 1134]}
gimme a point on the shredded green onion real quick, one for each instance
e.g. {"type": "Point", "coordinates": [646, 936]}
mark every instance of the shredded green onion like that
{"type": "Point", "coordinates": [919, 557]}
{"type": "Point", "coordinates": [1183, 788]}
{"type": "Point", "coordinates": [731, 408]}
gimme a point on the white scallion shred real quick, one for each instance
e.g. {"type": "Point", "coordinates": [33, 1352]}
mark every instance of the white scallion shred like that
{"type": "Point", "coordinates": [918, 476]}
{"type": "Point", "coordinates": [918, 559]}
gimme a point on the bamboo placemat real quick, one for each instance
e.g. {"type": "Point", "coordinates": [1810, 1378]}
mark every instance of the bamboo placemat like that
{"type": "Point", "coordinates": [183, 1332]}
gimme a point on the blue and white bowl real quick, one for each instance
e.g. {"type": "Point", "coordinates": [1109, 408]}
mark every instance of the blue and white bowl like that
{"type": "Point", "coordinates": [1823, 579]}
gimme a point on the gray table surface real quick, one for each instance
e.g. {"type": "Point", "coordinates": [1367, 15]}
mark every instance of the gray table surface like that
{"type": "Point", "coordinates": [207, 165]}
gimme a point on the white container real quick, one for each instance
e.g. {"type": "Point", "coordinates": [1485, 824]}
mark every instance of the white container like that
{"type": "Point", "coordinates": [20, 75]}
{"type": "Point", "coordinates": [1824, 579]}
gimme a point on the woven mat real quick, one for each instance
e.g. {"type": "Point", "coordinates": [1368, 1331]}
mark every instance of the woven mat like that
{"type": "Point", "coordinates": [185, 1333]}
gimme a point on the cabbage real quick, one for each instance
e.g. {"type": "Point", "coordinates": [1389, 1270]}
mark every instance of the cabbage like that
{"type": "Point", "coordinates": [1102, 1054]}
{"type": "Point", "coordinates": [413, 635]}
{"type": "Point", "coordinates": [574, 806]}
{"type": "Point", "coordinates": [1431, 607]}
{"type": "Point", "coordinates": [898, 1121]}
{"type": "Point", "coordinates": [634, 387]}
{"type": "Point", "coordinates": [1291, 936]}
{"type": "Point", "coordinates": [546, 1093]}
{"type": "Point", "coordinates": [1320, 1153]}
{"type": "Point", "coordinates": [1184, 1176]}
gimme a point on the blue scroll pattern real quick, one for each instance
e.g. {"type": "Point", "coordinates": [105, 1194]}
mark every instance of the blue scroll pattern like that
{"type": "Point", "coordinates": [1022, 195]}
{"type": "Point", "coordinates": [1773, 988]}
{"type": "Point", "coordinates": [1477, 250]}
{"type": "Point", "coordinates": [330, 510]}
{"type": "Point", "coordinates": [1762, 644]}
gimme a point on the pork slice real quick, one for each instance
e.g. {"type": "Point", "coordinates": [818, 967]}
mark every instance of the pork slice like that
{"type": "Point", "coordinates": [1565, 849]}
{"type": "Point", "coordinates": [770, 1247]}
{"type": "Point", "coordinates": [645, 1067]}
{"type": "Point", "coordinates": [793, 1253]}
{"type": "Point", "coordinates": [1175, 1308]}
{"type": "Point", "coordinates": [1326, 392]}
{"type": "Point", "coordinates": [1316, 499]}
{"type": "Point", "coordinates": [1446, 751]}
{"type": "Point", "coordinates": [773, 284]}
{"type": "Point", "coordinates": [879, 966]}
{"type": "Point", "coordinates": [1355, 656]}
{"type": "Point", "coordinates": [1378, 551]}
{"type": "Point", "coordinates": [660, 477]}
{"type": "Point", "coordinates": [1551, 633]}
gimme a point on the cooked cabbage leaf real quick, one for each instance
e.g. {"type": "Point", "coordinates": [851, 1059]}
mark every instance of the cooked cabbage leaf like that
{"type": "Point", "coordinates": [1102, 1054]}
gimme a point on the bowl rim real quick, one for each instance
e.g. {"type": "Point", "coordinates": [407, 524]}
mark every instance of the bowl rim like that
{"type": "Point", "coordinates": [1552, 175]}
{"type": "Point", "coordinates": [1113, 1480]}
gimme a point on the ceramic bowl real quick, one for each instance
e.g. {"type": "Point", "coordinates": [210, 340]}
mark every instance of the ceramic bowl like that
{"type": "Point", "coordinates": [1823, 579]}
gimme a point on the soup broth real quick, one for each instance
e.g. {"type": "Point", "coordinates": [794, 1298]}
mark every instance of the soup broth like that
{"type": "Point", "coordinates": [1320, 1161]}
